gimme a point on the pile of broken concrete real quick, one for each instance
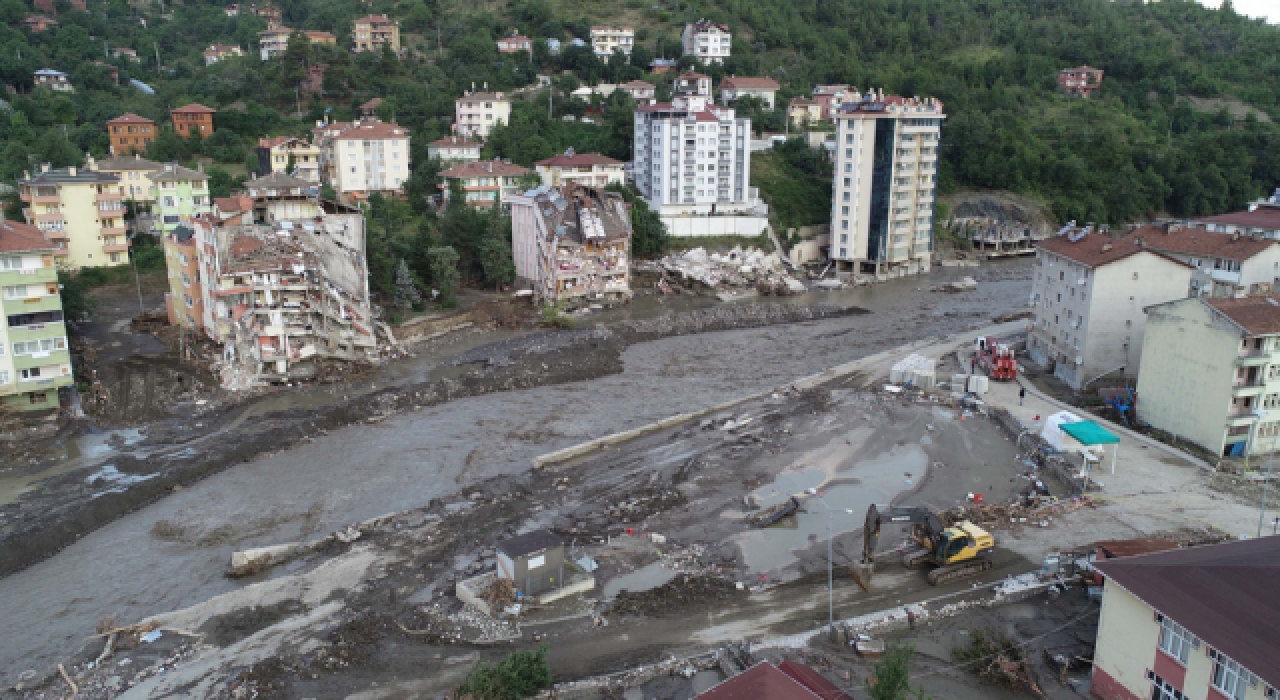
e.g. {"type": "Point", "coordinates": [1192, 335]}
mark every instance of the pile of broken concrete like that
{"type": "Point", "coordinates": [752, 269]}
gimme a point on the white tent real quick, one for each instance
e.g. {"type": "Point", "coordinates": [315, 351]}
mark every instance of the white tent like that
{"type": "Point", "coordinates": [1053, 434]}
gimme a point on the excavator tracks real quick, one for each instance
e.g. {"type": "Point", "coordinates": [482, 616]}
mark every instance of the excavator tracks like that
{"type": "Point", "coordinates": [947, 574]}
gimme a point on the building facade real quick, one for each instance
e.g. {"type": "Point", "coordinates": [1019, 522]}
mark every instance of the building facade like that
{"type": "Point", "coordinates": [1208, 366]}
{"type": "Point", "coordinates": [586, 169]}
{"type": "Point", "coordinates": [39, 23]}
{"type": "Point", "coordinates": [274, 155]}
{"type": "Point", "coordinates": [476, 113]}
{"type": "Point", "coordinates": [179, 194]}
{"type": "Point", "coordinates": [1262, 218]}
{"type": "Point", "coordinates": [642, 92]}
{"type": "Point", "coordinates": [693, 84]}
{"type": "Point", "coordinates": [571, 244]}
{"type": "Point", "coordinates": [218, 52]}
{"type": "Point", "coordinates": [1087, 301]}
{"type": "Point", "coordinates": [185, 300]}
{"type": "Point", "coordinates": [130, 133]}
{"type": "Point", "coordinates": [706, 41]}
{"type": "Point", "coordinates": [81, 212]}
{"type": "Point", "coordinates": [1224, 264]}
{"type": "Point", "coordinates": [693, 156]}
{"type": "Point", "coordinates": [1081, 81]}
{"type": "Point", "coordinates": [193, 118]}
{"type": "Point", "coordinates": [1189, 624]}
{"type": "Point", "coordinates": [515, 44]}
{"type": "Point", "coordinates": [885, 182]}
{"type": "Point", "coordinates": [50, 79]}
{"type": "Point", "coordinates": [363, 157]}
{"type": "Point", "coordinates": [134, 173]}
{"type": "Point", "coordinates": [35, 361]}
{"type": "Point", "coordinates": [733, 87]}
{"type": "Point", "coordinates": [485, 182]}
{"type": "Point", "coordinates": [454, 150]}
{"type": "Point", "coordinates": [605, 39]}
{"type": "Point", "coordinates": [803, 112]}
{"type": "Point", "coordinates": [371, 32]}
{"type": "Point", "coordinates": [275, 41]}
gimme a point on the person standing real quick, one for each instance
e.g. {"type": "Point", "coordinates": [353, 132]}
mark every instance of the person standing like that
{"type": "Point", "coordinates": [1022, 394]}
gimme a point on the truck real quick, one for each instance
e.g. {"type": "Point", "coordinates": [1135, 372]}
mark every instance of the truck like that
{"type": "Point", "coordinates": [995, 358]}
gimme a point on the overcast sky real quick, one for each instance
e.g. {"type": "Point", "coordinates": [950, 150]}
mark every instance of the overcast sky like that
{"type": "Point", "coordinates": [1253, 8]}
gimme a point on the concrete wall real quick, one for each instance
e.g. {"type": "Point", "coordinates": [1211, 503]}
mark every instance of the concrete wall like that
{"type": "Point", "coordinates": [693, 226]}
{"type": "Point", "coordinates": [1263, 268]}
{"type": "Point", "coordinates": [1188, 361]}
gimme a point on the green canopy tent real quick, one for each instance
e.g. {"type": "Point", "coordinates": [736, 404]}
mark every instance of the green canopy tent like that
{"type": "Point", "coordinates": [1089, 433]}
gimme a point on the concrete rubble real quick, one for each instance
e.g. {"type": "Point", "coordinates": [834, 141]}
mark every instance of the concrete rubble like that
{"type": "Point", "coordinates": [965, 284]}
{"type": "Point", "coordinates": [738, 269]}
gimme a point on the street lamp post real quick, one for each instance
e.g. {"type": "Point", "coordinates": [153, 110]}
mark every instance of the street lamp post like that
{"type": "Point", "coordinates": [1271, 460]}
{"type": "Point", "coordinates": [831, 606]}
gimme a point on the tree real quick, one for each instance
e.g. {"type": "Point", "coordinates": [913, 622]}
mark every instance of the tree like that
{"type": "Point", "coordinates": [520, 675]}
{"type": "Point", "coordinates": [493, 251]}
{"type": "Point", "coordinates": [76, 302]}
{"type": "Point", "coordinates": [443, 261]}
{"type": "Point", "coordinates": [890, 677]}
{"type": "Point", "coordinates": [406, 291]}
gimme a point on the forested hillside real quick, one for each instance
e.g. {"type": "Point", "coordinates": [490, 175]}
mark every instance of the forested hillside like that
{"type": "Point", "coordinates": [1141, 147]}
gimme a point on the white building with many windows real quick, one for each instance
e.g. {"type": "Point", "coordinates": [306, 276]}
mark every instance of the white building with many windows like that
{"type": "Point", "coordinates": [885, 183]}
{"type": "Point", "coordinates": [362, 157]}
{"type": "Point", "coordinates": [476, 113]}
{"type": "Point", "coordinates": [706, 41]}
{"type": "Point", "coordinates": [605, 39]}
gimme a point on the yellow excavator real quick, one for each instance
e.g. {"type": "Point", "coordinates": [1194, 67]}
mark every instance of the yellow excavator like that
{"type": "Point", "coordinates": [963, 549]}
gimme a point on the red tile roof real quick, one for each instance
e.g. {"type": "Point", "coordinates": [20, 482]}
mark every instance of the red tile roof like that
{"type": "Point", "coordinates": [194, 107]}
{"type": "Point", "coordinates": [239, 203]}
{"type": "Point", "coordinates": [1224, 594]}
{"type": "Point", "coordinates": [1262, 217]}
{"type": "Point", "coordinates": [1195, 241]}
{"type": "Point", "coordinates": [637, 84]}
{"type": "Point", "coordinates": [563, 160]}
{"type": "Point", "coordinates": [706, 115]}
{"type": "Point", "coordinates": [372, 104]}
{"type": "Point", "coordinates": [455, 142]}
{"type": "Point", "coordinates": [760, 682]}
{"type": "Point", "coordinates": [374, 130]}
{"type": "Point", "coordinates": [130, 118]}
{"type": "Point", "coordinates": [370, 19]}
{"type": "Point", "coordinates": [245, 245]}
{"type": "Point", "coordinates": [17, 237]}
{"type": "Point", "coordinates": [752, 83]}
{"type": "Point", "coordinates": [1096, 250]}
{"type": "Point", "coordinates": [484, 168]}
{"type": "Point", "coordinates": [692, 76]}
{"type": "Point", "coordinates": [1257, 315]}
{"type": "Point", "coordinates": [813, 680]}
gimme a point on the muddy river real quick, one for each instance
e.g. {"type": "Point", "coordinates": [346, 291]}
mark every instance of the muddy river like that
{"type": "Point", "coordinates": [172, 554]}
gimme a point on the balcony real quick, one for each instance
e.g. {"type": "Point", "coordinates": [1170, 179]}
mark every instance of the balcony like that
{"type": "Point", "coordinates": [61, 252]}
{"type": "Point", "coordinates": [116, 247]}
{"type": "Point", "coordinates": [1248, 387]}
{"type": "Point", "coordinates": [112, 231]}
{"type": "Point", "coordinates": [55, 216]}
{"type": "Point", "coordinates": [116, 196]}
{"type": "Point", "coordinates": [41, 198]}
{"type": "Point", "coordinates": [1252, 357]}
{"type": "Point", "coordinates": [57, 235]}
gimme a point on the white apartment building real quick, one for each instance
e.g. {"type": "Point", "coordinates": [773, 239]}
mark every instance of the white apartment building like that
{"type": "Point", "coordinates": [586, 169]}
{"type": "Point", "coordinates": [885, 182]}
{"type": "Point", "coordinates": [732, 87]}
{"type": "Point", "coordinates": [693, 84]}
{"type": "Point", "coordinates": [1088, 300]}
{"type": "Point", "coordinates": [706, 41]}
{"type": "Point", "coordinates": [606, 39]}
{"type": "Point", "coordinates": [476, 113]}
{"type": "Point", "coordinates": [693, 157]}
{"type": "Point", "coordinates": [1224, 264]}
{"type": "Point", "coordinates": [362, 157]}
{"type": "Point", "coordinates": [641, 91]}
{"type": "Point", "coordinates": [273, 42]}
{"type": "Point", "coordinates": [571, 244]}
{"type": "Point", "coordinates": [1209, 364]}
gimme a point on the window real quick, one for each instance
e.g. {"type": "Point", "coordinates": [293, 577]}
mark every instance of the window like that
{"type": "Point", "coordinates": [33, 373]}
{"type": "Point", "coordinates": [31, 347]}
{"type": "Point", "coordinates": [1175, 640]}
{"type": "Point", "coordinates": [4, 376]}
{"type": "Point", "coordinates": [32, 319]}
{"type": "Point", "coordinates": [1161, 690]}
{"type": "Point", "coordinates": [11, 263]}
{"type": "Point", "coordinates": [1230, 677]}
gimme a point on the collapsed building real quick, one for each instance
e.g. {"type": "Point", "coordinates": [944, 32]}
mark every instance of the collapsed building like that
{"type": "Point", "coordinates": [283, 286]}
{"type": "Point", "coordinates": [571, 245]}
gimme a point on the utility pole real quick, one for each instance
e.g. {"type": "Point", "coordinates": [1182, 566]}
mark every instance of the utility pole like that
{"type": "Point", "coordinates": [157, 48]}
{"type": "Point", "coordinates": [1262, 512]}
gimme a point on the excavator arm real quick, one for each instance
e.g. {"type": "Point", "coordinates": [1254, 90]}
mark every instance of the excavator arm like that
{"type": "Point", "coordinates": [878, 514]}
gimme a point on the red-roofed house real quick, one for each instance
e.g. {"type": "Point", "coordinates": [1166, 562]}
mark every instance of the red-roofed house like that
{"type": "Point", "coordinates": [359, 158]}
{"type": "Point", "coordinates": [39, 23]}
{"type": "Point", "coordinates": [193, 117]}
{"type": "Point", "coordinates": [639, 90]}
{"type": "Point", "coordinates": [587, 169]}
{"type": "Point", "coordinates": [1225, 264]}
{"type": "Point", "coordinates": [130, 133]}
{"type": "Point", "coordinates": [764, 681]}
{"type": "Point", "coordinates": [370, 32]}
{"type": "Point", "coordinates": [691, 84]}
{"type": "Point", "coordinates": [733, 87]}
{"type": "Point", "coordinates": [1262, 218]}
{"type": "Point", "coordinates": [485, 182]}
{"type": "Point", "coordinates": [274, 155]}
{"type": "Point", "coordinates": [454, 149]}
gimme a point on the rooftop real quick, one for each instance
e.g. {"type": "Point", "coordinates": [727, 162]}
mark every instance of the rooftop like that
{"type": "Point", "coordinates": [1223, 593]}
{"type": "Point", "coordinates": [481, 97]}
{"type": "Point", "coordinates": [764, 681]}
{"type": "Point", "coordinates": [173, 172]}
{"type": "Point", "coordinates": [748, 82]}
{"type": "Point", "coordinates": [1173, 238]}
{"type": "Point", "coordinates": [130, 118]}
{"type": "Point", "coordinates": [637, 84]}
{"type": "Point", "coordinates": [573, 213]}
{"type": "Point", "coordinates": [1262, 217]}
{"type": "Point", "coordinates": [17, 237]}
{"type": "Point", "coordinates": [373, 130]}
{"type": "Point", "coordinates": [370, 19]}
{"type": "Point", "coordinates": [1257, 315]}
{"type": "Point", "coordinates": [692, 75]}
{"type": "Point", "coordinates": [483, 168]}
{"type": "Point", "coordinates": [1095, 249]}
{"type": "Point", "coordinates": [194, 107]}
{"type": "Point", "coordinates": [372, 104]}
{"type": "Point", "coordinates": [530, 543]}
{"type": "Point", "coordinates": [134, 162]}
{"type": "Point", "coordinates": [455, 142]}
{"type": "Point", "coordinates": [573, 159]}
{"type": "Point", "coordinates": [277, 180]}
{"type": "Point", "coordinates": [55, 176]}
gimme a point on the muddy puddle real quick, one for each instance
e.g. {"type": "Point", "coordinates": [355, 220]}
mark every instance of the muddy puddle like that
{"type": "Point", "coordinates": [646, 578]}
{"type": "Point", "coordinates": [79, 452]}
{"type": "Point", "coordinates": [363, 471]}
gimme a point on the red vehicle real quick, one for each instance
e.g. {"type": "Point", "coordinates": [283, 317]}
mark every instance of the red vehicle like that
{"type": "Point", "coordinates": [995, 358]}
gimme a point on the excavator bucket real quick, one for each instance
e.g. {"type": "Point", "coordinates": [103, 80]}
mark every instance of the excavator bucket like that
{"type": "Point", "coordinates": [862, 574]}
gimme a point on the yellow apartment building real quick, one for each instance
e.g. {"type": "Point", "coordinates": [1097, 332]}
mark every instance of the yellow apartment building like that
{"type": "Point", "coordinates": [81, 211]}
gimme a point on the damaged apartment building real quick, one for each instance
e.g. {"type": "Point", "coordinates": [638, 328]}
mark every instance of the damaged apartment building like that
{"type": "Point", "coordinates": [281, 285]}
{"type": "Point", "coordinates": [571, 245]}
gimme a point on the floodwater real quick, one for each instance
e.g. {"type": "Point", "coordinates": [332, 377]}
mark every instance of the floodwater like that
{"type": "Point", "coordinates": [405, 461]}
{"type": "Point", "coordinates": [646, 578]}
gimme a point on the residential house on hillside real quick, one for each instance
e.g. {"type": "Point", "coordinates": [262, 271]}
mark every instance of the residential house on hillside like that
{"type": "Point", "coordinates": [35, 362]}
{"type": "Point", "coordinates": [134, 173]}
{"type": "Point", "coordinates": [179, 194]}
{"type": "Point", "coordinates": [640, 91]}
{"type": "Point", "coordinates": [586, 169]}
{"type": "Point", "coordinates": [124, 51]}
{"type": "Point", "coordinates": [193, 118]}
{"type": "Point", "coordinates": [217, 52]}
{"type": "Point", "coordinates": [269, 13]}
{"type": "Point", "coordinates": [830, 97]}
{"type": "Point", "coordinates": [706, 41]}
{"type": "Point", "coordinates": [572, 244]}
{"type": "Point", "coordinates": [454, 150]}
{"type": "Point", "coordinates": [359, 158]}
{"type": "Point", "coordinates": [605, 39]}
{"type": "Point", "coordinates": [1208, 365]}
{"type": "Point", "coordinates": [476, 113]}
{"type": "Point", "coordinates": [514, 44]}
{"type": "Point", "coordinates": [275, 41]}
{"type": "Point", "coordinates": [1225, 264]}
{"type": "Point", "coordinates": [39, 23]}
{"type": "Point", "coordinates": [1088, 298]}
{"type": "Point", "coordinates": [1081, 81]}
{"type": "Point", "coordinates": [803, 112]}
{"type": "Point", "coordinates": [1197, 622]}
{"type": "Point", "coordinates": [485, 182]}
{"type": "Point", "coordinates": [369, 110]}
{"type": "Point", "coordinates": [733, 87]}
{"type": "Point", "coordinates": [1262, 218]}
{"type": "Point", "coordinates": [658, 66]}
{"type": "Point", "coordinates": [52, 80]}
{"type": "Point", "coordinates": [274, 155]}
{"type": "Point", "coordinates": [130, 133]}
{"type": "Point", "coordinates": [693, 84]}
{"type": "Point", "coordinates": [81, 212]}
{"type": "Point", "coordinates": [371, 32]}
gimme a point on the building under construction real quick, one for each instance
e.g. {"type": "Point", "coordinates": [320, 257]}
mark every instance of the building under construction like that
{"type": "Point", "coordinates": [571, 245]}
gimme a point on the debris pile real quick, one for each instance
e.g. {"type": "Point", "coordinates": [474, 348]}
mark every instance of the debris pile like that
{"type": "Point", "coordinates": [751, 269]}
{"type": "Point", "coordinates": [998, 660]}
{"type": "Point", "coordinates": [966, 284]}
{"type": "Point", "coordinates": [671, 597]}
{"type": "Point", "coordinates": [499, 594]}
{"type": "Point", "coordinates": [1004, 517]}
